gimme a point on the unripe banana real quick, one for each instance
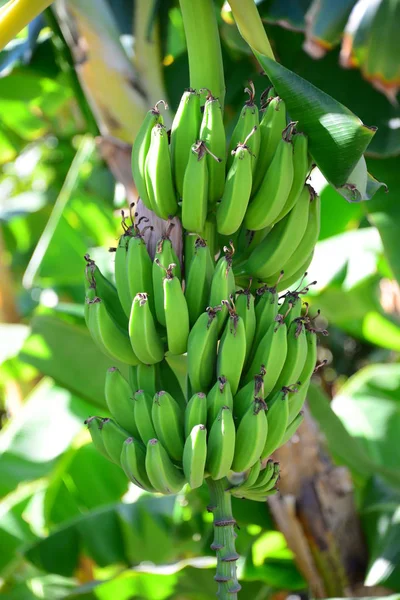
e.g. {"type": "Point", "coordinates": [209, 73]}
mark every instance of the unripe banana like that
{"type": "Point", "coordinates": [162, 473]}
{"type": "Point", "coordinates": [120, 402]}
{"type": "Point", "coordinates": [311, 358]}
{"type": "Point", "coordinates": [195, 456]}
{"type": "Point", "coordinates": [246, 395]}
{"type": "Point", "coordinates": [251, 436]}
{"type": "Point", "coordinates": [198, 280]}
{"type": "Point", "coordinates": [113, 437]}
{"type": "Point", "coordinates": [210, 235]}
{"type": "Point", "coordinates": [274, 190]}
{"type": "Point", "coordinates": [120, 270]}
{"type": "Point", "coordinates": [264, 477]}
{"type": "Point", "coordinates": [140, 149]}
{"type": "Point", "coordinates": [260, 496]}
{"type": "Point", "coordinates": [133, 462]}
{"type": "Point", "coordinates": [164, 255]}
{"type": "Point", "coordinates": [94, 427]}
{"type": "Point", "coordinates": [271, 126]}
{"type": "Point", "coordinates": [143, 416]}
{"type": "Point", "coordinates": [142, 332]}
{"type": "Point", "coordinates": [195, 412]}
{"type": "Point", "coordinates": [221, 444]}
{"type": "Point", "coordinates": [296, 355]}
{"type": "Point", "coordinates": [168, 423]}
{"type": "Point", "coordinates": [246, 241]}
{"type": "Point", "coordinates": [299, 274]}
{"type": "Point", "coordinates": [148, 378]}
{"type": "Point", "coordinates": [212, 132]}
{"type": "Point", "coordinates": [290, 309]}
{"type": "Point", "coordinates": [105, 290]}
{"type": "Point", "coordinates": [244, 306]}
{"type": "Point", "coordinates": [277, 417]}
{"type": "Point", "coordinates": [301, 167]}
{"type": "Point", "coordinates": [132, 378]}
{"type": "Point", "coordinates": [195, 189]}
{"type": "Point", "coordinates": [262, 488]}
{"type": "Point", "coordinates": [232, 208]}
{"type": "Point", "coordinates": [248, 120]}
{"type": "Point", "coordinates": [184, 133]}
{"type": "Point", "coordinates": [158, 174]}
{"type": "Point", "coordinates": [292, 428]}
{"type": "Point", "coordinates": [280, 244]}
{"type": "Point", "coordinates": [220, 395]}
{"type": "Point", "coordinates": [232, 350]}
{"type": "Point", "coordinates": [169, 381]}
{"type": "Point", "coordinates": [202, 349]}
{"type": "Point", "coordinates": [139, 269]}
{"type": "Point", "coordinates": [176, 313]}
{"type": "Point", "coordinates": [223, 285]}
{"type": "Point", "coordinates": [296, 402]}
{"type": "Point", "coordinates": [110, 338]}
{"type": "Point", "coordinates": [251, 478]}
{"type": "Point", "coordinates": [266, 309]}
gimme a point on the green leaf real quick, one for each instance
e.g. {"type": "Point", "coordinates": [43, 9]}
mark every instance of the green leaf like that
{"type": "Point", "coordinates": [337, 138]}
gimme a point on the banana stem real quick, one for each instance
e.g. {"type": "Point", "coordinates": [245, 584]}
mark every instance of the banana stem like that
{"type": "Point", "coordinates": [204, 46]}
{"type": "Point", "coordinates": [15, 15]}
{"type": "Point", "coordinates": [250, 26]}
{"type": "Point", "coordinates": [224, 539]}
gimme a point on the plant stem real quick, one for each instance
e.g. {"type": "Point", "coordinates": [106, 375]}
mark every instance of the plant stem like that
{"type": "Point", "coordinates": [204, 46]}
{"type": "Point", "coordinates": [224, 539]}
{"type": "Point", "coordinates": [250, 26]}
{"type": "Point", "coordinates": [15, 15]}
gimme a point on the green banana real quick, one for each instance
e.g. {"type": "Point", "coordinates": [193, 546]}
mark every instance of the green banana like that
{"type": "Point", "coordinates": [143, 416]}
{"type": "Point", "coordinates": [158, 175]}
{"type": "Point", "coordinates": [251, 478]}
{"type": "Point", "coordinates": [295, 357]}
{"type": "Point", "coordinates": [251, 436]}
{"type": "Point", "coordinates": [148, 378]}
{"type": "Point", "coordinates": [280, 244]}
{"type": "Point", "coordinates": [143, 333]}
{"type": "Point", "coordinates": [244, 306]}
{"type": "Point", "coordinates": [296, 401]}
{"type": "Point", "coordinates": [248, 393]}
{"type": "Point", "coordinates": [139, 269]}
{"type": "Point", "coordinates": [133, 462]}
{"type": "Point", "coordinates": [223, 285]}
{"type": "Point", "coordinates": [274, 190]}
{"type": "Point", "coordinates": [246, 241]}
{"type": "Point", "coordinates": [105, 290]}
{"type": "Point", "coordinates": [94, 427]}
{"type": "Point", "coordinates": [262, 488]}
{"type": "Point", "coordinates": [168, 423]}
{"type": "Point", "coordinates": [132, 377]}
{"type": "Point", "coordinates": [290, 308]}
{"type": "Point", "coordinates": [220, 395]}
{"type": "Point", "coordinates": [113, 437]}
{"type": "Point", "coordinates": [212, 132]}
{"type": "Point", "coordinates": [140, 149]}
{"type": "Point", "coordinates": [232, 349]}
{"type": "Point", "coordinates": [264, 477]}
{"type": "Point", "coordinates": [248, 120]}
{"type": "Point", "coordinates": [120, 271]}
{"type": "Point", "coordinates": [292, 428]}
{"type": "Point", "coordinates": [109, 337]}
{"type": "Point", "coordinates": [260, 497]}
{"type": "Point", "coordinates": [221, 444]}
{"type": "Point", "coordinates": [271, 127]}
{"type": "Point", "coordinates": [195, 189]}
{"type": "Point", "coordinates": [198, 280]}
{"type": "Point", "coordinates": [164, 255]}
{"type": "Point", "coordinates": [195, 412]}
{"type": "Point", "coordinates": [300, 273]}
{"type": "Point", "coordinates": [169, 381]}
{"type": "Point", "coordinates": [311, 358]}
{"type": "Point", "coordinates": [184, 133]}
{"type": "Point", "coordinates": [202, 348]}
{"type": "Point", "coordinates": [301, 167]}
{"type": "Point", "coordinates": [162, 473]}
{"type": "Point", "coordinates": [195, 456]}
{"type": "Point", "coordinates": [120, 402]}
{"type": "Point", "coordinates": [235, 199]}
{"type": "Point", "coordinates": [266, 309]}
{"type": "Point", "coordinates": [277, 417]}
{"type": "Point", "coordinates": [176, 313]}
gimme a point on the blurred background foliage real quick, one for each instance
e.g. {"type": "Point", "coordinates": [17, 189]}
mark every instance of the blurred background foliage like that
{"type": "Point", "coordinates": [69, 525]}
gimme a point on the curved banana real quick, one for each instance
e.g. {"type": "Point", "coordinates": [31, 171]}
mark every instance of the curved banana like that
{"type": "Point", "coordinates": [165, 255]}
{"type": "Point", "coordinates": [133, 462]}
{"type": "Point", "coordinates": [143, 416]}
{"type": "Point", "coordinates": [232, 350]}
{"type": "Point", "coordinates": [120, 402]}
{"type": "Point", "coordinates": [195, 189]}
{"type": "Point", "coordinates": [264, 477]}
{"type": "Point", "coordinates": [295, 357]}
{"type": "Point", "coordinates": [296, 402]}
{"type": "Point", "coordinates": [245, 308]}
{"type": "Point", "coordinates": [148, 378]}
{"type": "Point", "coordinates": [158, 175]}
{"type": "Point", "coordinates": [184, 133]}
{"type": "Point", "coordinates": [292, 428]}
{"type": "Point", "coordinates": [139, 268]}
{"type": "Point", "coordinates": [251, 436]}
{"type": "Point", "coordinates": [299, 274]}
{"type": "Point", "coordinates": [220, 395]}
{"type": "Point", "coordinates": [263, 488]}
{"type": "Point", "coordinates": [277, 417]}
{"type": "Point", "coordinates": [162, 473]}
{"type": "Point", "coordinates": [142, 332]}
{"type": "Point", "coordinates": [109, 337]}
{"type": "Point", "coordinates": [195, 412]}
{"type": "Point", "coordinates": [120, 271]}
{"type": "Point", "coordinates": [113, 437]}
{"type": "Point", "coordinates": [248, 393]}
{"type": "Point", "coordinates": [202, 350]}
{"type": "Point", "coordinates": [176, 313]}
{"type": "Point", "coordinates": [195, 456]}
{"type": "Point", "coordinates": [290, 308]}
{"type": "Point", "coordinates": [247, 121]}
{"type": "Point", "coordinates": [212, 132]}
{"type": "Point", "coordinates": [105, 290]}
{"type": "Point", "coordinates": [274, 190]}
{"type": "Point", "coordinates": [223, 285]}
{"type": "Point", "coordinates": [280, 244]}
{"type": "Point", "coordinates": [266, 309]}
{"type": "Point", "coordinates": [221, 444]}
{"type": "Point", "coordinates": [140, 149]}
{"type": "Point", "coordinates": [168, 423]}
{"type": "Point", "coordinates": [251, 478]}
{"type": "Point", "coordinates": [94, 427]}
{"type": "Point", "coordinates": [198, 280]}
